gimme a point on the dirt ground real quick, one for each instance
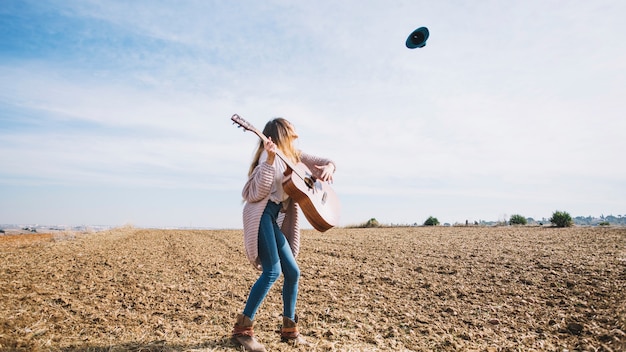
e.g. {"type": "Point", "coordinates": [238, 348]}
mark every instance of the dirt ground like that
{"type": "Point", "coordinates": [385, 289]}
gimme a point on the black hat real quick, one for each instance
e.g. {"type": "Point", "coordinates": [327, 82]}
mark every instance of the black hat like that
{"type": "Point", "coordinates": [418, 38]}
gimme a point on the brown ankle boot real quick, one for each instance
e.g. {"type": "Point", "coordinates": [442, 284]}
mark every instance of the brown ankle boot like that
{"type": "Point", "coordinates": [243, 334]}
{"type": "Point", "coordinates": [289, 332]}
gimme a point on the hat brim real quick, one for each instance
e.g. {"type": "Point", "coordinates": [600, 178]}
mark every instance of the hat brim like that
{"type": "Point", "coordinates": [417, 38]}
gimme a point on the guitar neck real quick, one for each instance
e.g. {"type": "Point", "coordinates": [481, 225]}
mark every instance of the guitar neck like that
{"type": "Point", "coordinates": [248, 127]}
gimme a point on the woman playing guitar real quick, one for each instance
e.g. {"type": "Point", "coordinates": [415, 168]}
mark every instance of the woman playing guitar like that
{"type": "Point", "coordinates": [271, 230]}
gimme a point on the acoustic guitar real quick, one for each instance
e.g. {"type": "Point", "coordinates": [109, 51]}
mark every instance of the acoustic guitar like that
{"type": "Point", "coordinates": [316, 198]}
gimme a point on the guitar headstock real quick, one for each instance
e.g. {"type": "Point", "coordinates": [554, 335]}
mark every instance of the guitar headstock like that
{"type": "Point", "coordinates": [242, 123]}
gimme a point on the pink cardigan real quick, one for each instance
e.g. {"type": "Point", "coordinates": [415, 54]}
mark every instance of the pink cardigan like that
{"type": "Point", "coordinates": [256, 194]}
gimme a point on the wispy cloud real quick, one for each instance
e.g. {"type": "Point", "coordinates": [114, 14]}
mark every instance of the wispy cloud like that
{"type": "Point", "coordinates": [507, 102]}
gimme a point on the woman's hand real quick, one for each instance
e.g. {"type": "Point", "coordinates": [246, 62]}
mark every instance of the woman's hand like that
{"type": "Point", "coordinates": [327, 172]}
{"type": "Point", "coordinates": [270, 148]}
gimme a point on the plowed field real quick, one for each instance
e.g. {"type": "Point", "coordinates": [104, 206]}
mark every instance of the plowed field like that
{"type": "Point", "coordinates": [384, 289]}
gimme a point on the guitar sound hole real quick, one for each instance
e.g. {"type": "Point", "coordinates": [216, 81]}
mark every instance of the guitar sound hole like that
{"type": "Point", "coordinates": [309, 182]}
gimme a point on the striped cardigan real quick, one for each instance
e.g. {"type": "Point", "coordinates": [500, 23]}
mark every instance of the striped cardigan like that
{"type": "Point", "coordinates": [256, 194]}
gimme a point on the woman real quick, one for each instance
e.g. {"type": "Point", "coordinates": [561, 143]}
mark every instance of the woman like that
{"type": "Point", "coordinates": [271, 231]}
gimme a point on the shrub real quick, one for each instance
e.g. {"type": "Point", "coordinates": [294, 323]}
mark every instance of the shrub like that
{"type": "Point", "coordinates": [517, 220]}
{"type": "Point", "coordinates": [431, 221]}
{"type": "Point", "coordinates": [604, 223]}
{"type": "Point", "coordinates": [371, 223]}
{"type": "Point", "coordinates": [561, 219]}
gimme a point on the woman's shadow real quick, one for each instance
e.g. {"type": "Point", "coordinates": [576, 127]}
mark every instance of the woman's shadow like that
{"type": "Point", "coordinates": [156, 346]}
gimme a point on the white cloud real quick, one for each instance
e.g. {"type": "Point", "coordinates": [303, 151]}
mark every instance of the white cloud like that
{"type": "Point", "coordinates": [504, 97]}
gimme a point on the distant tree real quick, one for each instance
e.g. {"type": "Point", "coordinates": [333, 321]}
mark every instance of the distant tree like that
{"type": "Point", "coordinates": [561, 219]}
{"type": "Point", "coordinates": [517, 220]}
{"type": "Point", "coordinates": [584, 220]}
{"type": "Point", "coordinates": [431, 221]}
{"type": "Point", "coordinates": [611, 219]}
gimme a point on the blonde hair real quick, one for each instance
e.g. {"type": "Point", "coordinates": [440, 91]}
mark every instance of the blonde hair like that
{"type": "Point", "coordinates": [283, 134]}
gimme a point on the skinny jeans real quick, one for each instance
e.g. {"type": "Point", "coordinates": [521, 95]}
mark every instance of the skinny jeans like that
{"type": "Point", "coordinates": [276, 257]}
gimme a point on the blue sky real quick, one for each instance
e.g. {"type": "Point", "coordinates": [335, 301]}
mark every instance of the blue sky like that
{"type": "Point", "coordinates": [117, 112]}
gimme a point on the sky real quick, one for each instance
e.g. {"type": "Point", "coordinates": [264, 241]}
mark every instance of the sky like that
{"type": "Point", "coordinates": [118, 112]}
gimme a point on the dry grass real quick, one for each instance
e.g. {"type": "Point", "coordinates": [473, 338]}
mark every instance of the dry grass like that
{"type": "Point", "coordinates": [421, 289]}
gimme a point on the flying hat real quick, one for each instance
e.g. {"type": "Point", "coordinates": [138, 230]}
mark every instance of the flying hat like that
{"type": "Point", "coordinates": [418, 38]}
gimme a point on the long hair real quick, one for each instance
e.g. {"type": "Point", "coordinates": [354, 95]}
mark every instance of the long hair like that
{"type": "Point", "coordinates": [283, 134]}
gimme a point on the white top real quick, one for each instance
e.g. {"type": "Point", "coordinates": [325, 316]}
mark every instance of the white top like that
{"type": "Point", "coordinates": [277, 194]}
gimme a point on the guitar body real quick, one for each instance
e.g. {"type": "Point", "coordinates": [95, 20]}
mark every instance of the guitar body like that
{"type": "Point", "coordinates": [316, 198]}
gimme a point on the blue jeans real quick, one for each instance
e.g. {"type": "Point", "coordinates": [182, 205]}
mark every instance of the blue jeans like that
{"type": "Point", "coordinates": [276, 257]}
